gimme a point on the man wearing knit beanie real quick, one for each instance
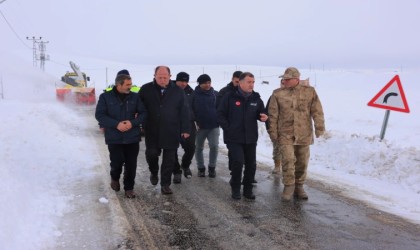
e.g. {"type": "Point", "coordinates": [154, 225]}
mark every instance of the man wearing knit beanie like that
{"type": "Point", "coordinates": [204, 78]}
{"type": "Point", "coordinates": [204, 108]}
{"type": "Point", "coordinates": [187, 144]}
{"type": "Point", "coordinates": [123, 72]}
{"type": "Point", "coordinates": [182, 77]}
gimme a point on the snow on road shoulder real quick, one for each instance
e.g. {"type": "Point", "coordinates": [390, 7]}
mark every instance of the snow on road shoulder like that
{"type": "Point", "coordinates": [381, 173]}
{"type": "Point", "coordinates": [43, 151]}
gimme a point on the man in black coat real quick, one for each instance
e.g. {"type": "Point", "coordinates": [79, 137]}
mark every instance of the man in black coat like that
{"type": "Point", "coordinates": [229, 87]}
{"type": "Point", "coordinates": [120, 112]}
{"type": "Point", "coordinates": [232, 86]}
{"type": "Point", "coordinates": [188, 144]}
{"type": "Point", "coordinates": [167, 124]}
{"type": "Point", "coordinates": [238, 113]}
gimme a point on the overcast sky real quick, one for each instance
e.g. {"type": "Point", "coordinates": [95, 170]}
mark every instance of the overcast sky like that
{"type": "Point", "coordinates": [266, 32]}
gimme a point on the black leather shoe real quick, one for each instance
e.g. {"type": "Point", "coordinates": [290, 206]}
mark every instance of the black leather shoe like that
{"type": "Point", "coordinates": [166, 190]}
{"type": "Point", "coordinates": [154, 179]}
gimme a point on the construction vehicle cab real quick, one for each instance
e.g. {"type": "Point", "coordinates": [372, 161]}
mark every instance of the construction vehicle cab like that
{"type": "Point", "coordinates": [75, 87]}
{"type": "Point", "coordinates": [72, 79]}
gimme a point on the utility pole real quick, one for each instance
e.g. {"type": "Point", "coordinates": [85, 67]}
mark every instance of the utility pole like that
{"type": "Point", "coordinates": [42, 48]}
{"type": "Point", "coordinates": [42, 56]}
{"type": "Point", "coordinates": [34, 41]}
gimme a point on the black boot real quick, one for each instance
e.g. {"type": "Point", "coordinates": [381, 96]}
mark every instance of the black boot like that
{"type": "Point", "coordinates": [236, 193]}
{"type": "Point", "coordinates": [187, 172]}
{"type": "Point", "coordinates": [201, 172]}
{"type": "Point", "coordinates": [177, 178]}
{"type": "Point", "coordinates": [248, 192]}
{"type": "Point", "coordinates": [212, 172]}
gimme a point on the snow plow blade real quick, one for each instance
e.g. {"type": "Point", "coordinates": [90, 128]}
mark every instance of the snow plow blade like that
{"type": "Point", "coordinates": [77, 95]}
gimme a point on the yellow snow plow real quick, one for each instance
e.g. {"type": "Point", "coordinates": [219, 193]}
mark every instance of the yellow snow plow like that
{"type": "Point", "coordinates": [74, 87]}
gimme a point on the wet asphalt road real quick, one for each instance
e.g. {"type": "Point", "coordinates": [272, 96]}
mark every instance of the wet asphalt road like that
{"type": "Point", "coordinates": [202, 215]}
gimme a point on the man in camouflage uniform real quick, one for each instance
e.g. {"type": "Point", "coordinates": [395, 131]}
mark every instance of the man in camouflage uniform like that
{"type": "Point", "coordinates": [291, 110]}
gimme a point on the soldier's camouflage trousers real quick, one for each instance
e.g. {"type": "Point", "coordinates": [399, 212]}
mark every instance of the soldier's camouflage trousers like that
{"type": "Point", "coordinates": [276, 152]}
{"type": "Point", "coordinates": [294, 160]}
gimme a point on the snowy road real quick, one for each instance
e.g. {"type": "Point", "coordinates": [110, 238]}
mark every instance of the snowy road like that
{"type": "Point", "coordinates": [201, 215]}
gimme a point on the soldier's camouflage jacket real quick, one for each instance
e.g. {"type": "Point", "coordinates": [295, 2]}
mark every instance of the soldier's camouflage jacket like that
{"type": "Point", "coordinates": [291, 111]}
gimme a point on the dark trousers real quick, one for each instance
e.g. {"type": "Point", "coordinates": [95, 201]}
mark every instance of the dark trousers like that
{"type": "Point", "coordinates": [189, 149]}
{"type": "Point", "coordinates": [239, 155]}
{"type": "Point", "coordinates": [124, 155]}
{"type": "Point", "coordinates": [168, 163]}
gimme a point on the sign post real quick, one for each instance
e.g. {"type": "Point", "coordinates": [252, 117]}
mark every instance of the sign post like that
{"type": "Point", "coordinates": [391, 97]}
{"type": "Point", "coordinates": [384, 124]}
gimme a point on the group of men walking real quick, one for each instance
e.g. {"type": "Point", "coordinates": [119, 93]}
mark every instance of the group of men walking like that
{"type": "Point", "coordinates": [171, 114]}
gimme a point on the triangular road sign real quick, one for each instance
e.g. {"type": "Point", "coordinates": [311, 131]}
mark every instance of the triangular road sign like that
{"type": "Point", "coordinates": [391, 97]}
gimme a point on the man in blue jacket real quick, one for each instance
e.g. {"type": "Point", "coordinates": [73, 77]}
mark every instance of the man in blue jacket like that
{"type": "Point", "coordinates": [204, 108]}
{"type": "Point", "coordinates": [238, 113]}
{"type": "Point", "coordinates": [120, 112]}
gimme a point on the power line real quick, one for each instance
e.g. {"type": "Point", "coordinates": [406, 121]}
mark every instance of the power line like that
{"type": "Point", "coordinates": [10, 26]}
{"type": "Point", "coordinates": [58, 63]}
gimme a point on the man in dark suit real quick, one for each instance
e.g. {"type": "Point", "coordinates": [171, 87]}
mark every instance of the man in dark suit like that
{"type": "Point", "coordinates": [167, 124]}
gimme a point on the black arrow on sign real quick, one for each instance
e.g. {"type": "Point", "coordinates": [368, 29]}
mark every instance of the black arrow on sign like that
{"type": "Point", "coordinates": [389, 95]}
